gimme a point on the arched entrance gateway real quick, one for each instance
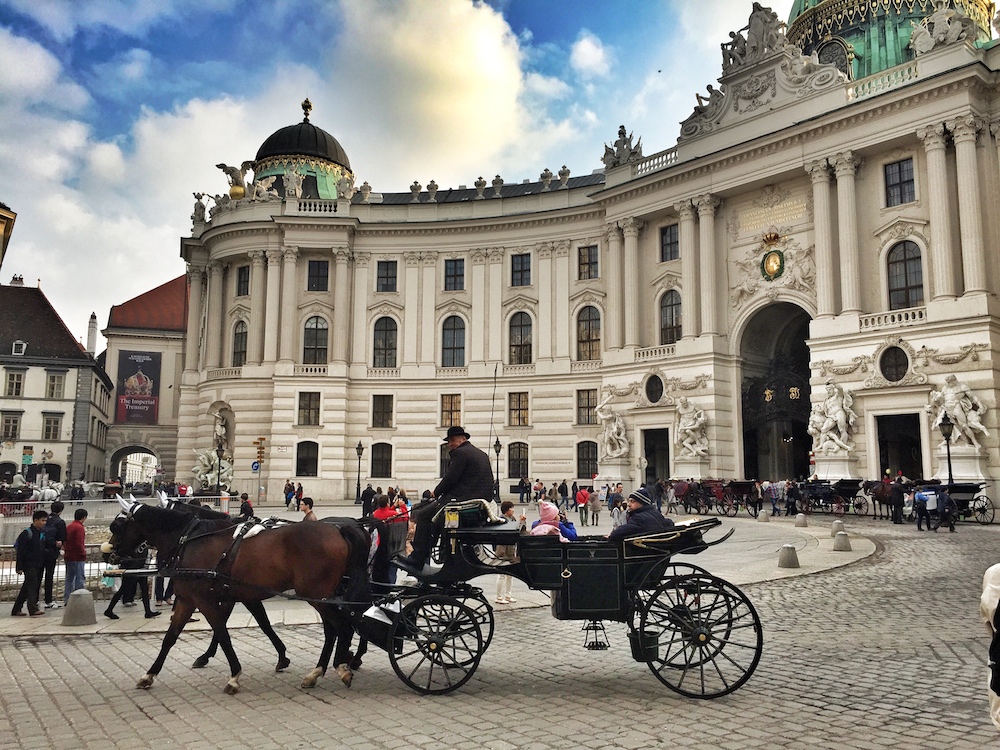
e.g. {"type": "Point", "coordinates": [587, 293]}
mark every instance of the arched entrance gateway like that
{"type": "Point", "coordinates": [774, 358]}
{"type": "Point", "coordinates": [135, 465]}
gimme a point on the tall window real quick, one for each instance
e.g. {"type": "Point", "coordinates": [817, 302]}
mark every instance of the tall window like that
{"type": "Point", "coordinates": [588, 334]}
{"type": "Point", "coordinates": [451, 409]}
{"type": "Point", "coordinates": [520, 270]}
{"type": "Point", "coordinates": [454, 275]}
{"type": "Point", "coordinates": [382, 411]}
{"type": "Point", "coordinates": [444, 456]}
{"type": "Point", "coordinates": [586, 459]}
{"type": "Point", "coordinates": [517, 460]}
{"type": "Point", "coordinates": [15, 383]}
{"type": "Point", "coordinates": [670, 245]}
{"type": "Point", "coordinates": [520, 339]}
{"type": "Point", "coordinates": [314, 342]}
{"type": "Point", "coordinates": [517, 409]}
{"type": "Point", "coordinates": [586, 401]}
{"type": "Point", "coordinates": [385, 343]}
{"type": "Point", "coordinates": [670, 317]}
{"type": "Point", "coordinates": [239, 344]}
{"type": "Point", "coordinates": [307, 459]}
{"type": "Point", "coordinates": [309, 409]}
{"type": "Point", "coordinates": [899, 187]}
{"type": "Point", "coordinates": [453, 342]}
{"type": "Point", "coordinates": [54, 385]}
{"type": "Point", "coordinates": [588, 263]}
{"type": "Point", "coordinates": [11, 426]}
{"type": "Point", "coordinates": [381, 460]}
{"type": "Point", "coordinates": [242, 281]}
{"type": "Point", "coordinates": [385, 276]}
{"type": "Point", "coordinates": [51, 428]}
{"type": "Point", "coordinates": [319, 276]}
{"type": "Point", "coordinates": [906, 279]}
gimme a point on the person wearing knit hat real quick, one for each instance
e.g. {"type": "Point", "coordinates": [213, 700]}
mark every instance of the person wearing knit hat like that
{"type": "Point", "coordinates": [642, 517]}
{"type": "Point", "coordinates": [548, 521]}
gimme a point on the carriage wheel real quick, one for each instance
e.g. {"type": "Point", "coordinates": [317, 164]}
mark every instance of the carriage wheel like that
{"type": "Point", "coordinates": [435, 644]}
{"type": "Point", "coordinates": [805, 506]}
{"type": "Point", "coordinates": [752, 507]}
{"type": "Point", "coordinates": [839, 506]}
{"type": "Point", "coordinates": [483, 611]}
{"type": "Point", "coordinates": [702, 636]}
{"type": "Point", "coordinates": [702, 505]}
{"type": "Point", "coordinates": [860, 506]}
{"type": "Point", "coordinates": [982, 509]}
{"type": "Point", "coordinates": [728, 504]}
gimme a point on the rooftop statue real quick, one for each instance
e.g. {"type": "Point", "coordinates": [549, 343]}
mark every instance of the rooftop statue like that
{"type": "Point", "coordinates": [764, 34]}
{"type": "Point", "coordinates": [943, 26]}
{"type": "Point", "coordinates": [292, 181]}
{"type": "Point", "coordinates": [198, 215]}
{"type": "Point", "coordinates": [263, 189]}
{"type": "Point", "coordinates": [623, 152]}
{"type": "Point", "coordinates": [237, 177]}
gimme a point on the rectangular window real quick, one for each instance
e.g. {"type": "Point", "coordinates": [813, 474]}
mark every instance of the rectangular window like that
{"type": "Point", "coordinates": [454, 275]}
{"type": "Point", "coordinates": [54, 385]}
{"type": "Point", "coordinates": [319, 276]}
{"type": "Point", "coordinates": [520, 270]}
{"type": "Point", "coordinates": [242, 281]}
{"type": "Point", "coordinates": [51, 428]}
{"type": "Point", "coordinates": [451, 409]}
{"type": "Point", "coordinates": [586, 401]}
{"type": "Point", "coordinates": [382, 411]}
{"type": "Point", "coordinates": [586, 459]}
{"type": "Point", "coordinates": [381, 460]}
{"type": "Point", "coordinates": [588, 263]}
{"type": "Point", "coordinates": [517, 409]}
{"type": "Point", "coordinates": [309, 409]}
{"type": "Point", "coordinates": [15, 383]}
{"type": "Point", "coordinates": [385, 278]}
{"type": "Point", "coordinates": [517, 460]}
{"type": "Point", "coordinates": [899, 185]}
{"type": "Point", "coordinates": [670, 244]}
{"type": "Point", "coordinates": [11, 426]}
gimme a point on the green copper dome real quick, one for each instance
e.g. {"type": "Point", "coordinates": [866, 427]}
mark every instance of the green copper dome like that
{"type": "Point", "coordinates": [864, 37]}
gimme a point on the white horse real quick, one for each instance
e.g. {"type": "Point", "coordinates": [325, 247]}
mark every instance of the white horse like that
{"type": "Point", "coordinates": [988, 614]}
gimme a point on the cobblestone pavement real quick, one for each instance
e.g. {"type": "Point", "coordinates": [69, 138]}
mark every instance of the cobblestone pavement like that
{"type": "Point", "coordinates": [887, 652]}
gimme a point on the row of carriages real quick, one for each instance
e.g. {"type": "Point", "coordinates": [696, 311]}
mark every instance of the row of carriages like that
{"type": "Point", "coordinates": [837, 498]}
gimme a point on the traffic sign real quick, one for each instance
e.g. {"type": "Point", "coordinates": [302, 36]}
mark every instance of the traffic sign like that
{"type": "Point", "coordinates": [255, 466]}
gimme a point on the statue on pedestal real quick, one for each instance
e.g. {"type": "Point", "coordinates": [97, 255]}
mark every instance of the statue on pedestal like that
{"type": "Point", "coordinates": [963, 408]}
{"type": "Point", "coordinates": [690, 429]}
{"type": "Point", "coordinates": [614, 443]}
{"type": "Point", "coordinates": [832, 421]}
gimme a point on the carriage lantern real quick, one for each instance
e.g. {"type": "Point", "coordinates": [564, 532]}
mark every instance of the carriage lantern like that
{"type": "Point", "coordinates": [220, 450]}
{"type": "Point", "coordinates": [496, 449]}
{"type": "Point", "coordinates": [947, 427]}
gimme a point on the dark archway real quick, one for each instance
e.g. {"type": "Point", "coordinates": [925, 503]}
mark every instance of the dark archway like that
{"type": "Point", "coordinates": [775, 393]}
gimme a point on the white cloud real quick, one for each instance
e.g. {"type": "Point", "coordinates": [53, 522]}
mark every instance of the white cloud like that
{"type": "Point", "coordinates": [589, 57]}
{"type": "Point", "coordinates": [32, 75]}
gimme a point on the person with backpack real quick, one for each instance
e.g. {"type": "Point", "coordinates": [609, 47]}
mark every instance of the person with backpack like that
{"type": "Point", "coordinates": [55, 537]}
{"type": "Point", "coordinates": [30, 547]}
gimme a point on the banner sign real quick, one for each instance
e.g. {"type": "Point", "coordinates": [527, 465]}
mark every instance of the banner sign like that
{"type": "Point", "coordinates": [138, 387]}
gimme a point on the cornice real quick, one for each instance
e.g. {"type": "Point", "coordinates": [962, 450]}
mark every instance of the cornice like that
{"type": "Point", "coordinates": [478, 225]}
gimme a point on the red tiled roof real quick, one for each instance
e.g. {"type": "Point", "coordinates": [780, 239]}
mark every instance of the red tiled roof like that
{"type": "Point", "coordinates": [160, 309]}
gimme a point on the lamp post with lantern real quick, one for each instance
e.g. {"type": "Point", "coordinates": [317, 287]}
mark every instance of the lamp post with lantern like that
{"type": "Point", "coordinates": [496, 449]}
{"type": "Point", "coordinates": [947, 428]}
{"type": "Point", "coordinates": [220, 451]}
{"type": "Point", "coordinates": [357, 495]}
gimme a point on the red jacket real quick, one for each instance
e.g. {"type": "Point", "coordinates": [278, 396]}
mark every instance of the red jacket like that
{"type": "Point", "coordinates": [74, 549]}
{"type": "Point", "coordinates": [582, 496]}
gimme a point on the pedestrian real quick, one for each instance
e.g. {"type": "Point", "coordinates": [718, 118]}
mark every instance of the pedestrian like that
{"type": "Point", "coordinates": [596, 504]}
{"type": "Point", "coordinates": [582, 501]}
{"type": "Point", "coordinates": [30, 563]}
{"type": "Point", "coordinates": [897, 498]}
{"type": "Point", "coordinates": [367, 501]}
{"type": "Point", "coordinates": [563, 496]}
{"type": "Point", "coordinates": [55, 536]}
{"type": "Point", "coordinates": [771, 493]}
{"type": "Point", "coordinates": [946, 511]}
{"type": "Point", "coordinates": [306, 506]}
{"type": "Point", "coordinates": [617, 513]}
{"type": "Point", "coordinates": [246, 509]}
{"type": "Point", "coordinates": [920, 507]}
{"type": "Point", "coordinates": [137, 561]}
{"type": "Point", "coordinates": [75, 554]}
{"type": "Point", "coordinates": [523, 490]}
{"type": "Point", "coordinates": [298, 496]}
{"type": "Point", "coordinates": [508, 554]}
{"type": "Point", "coordinates": [792, 496]}
{"type": "Point", "coordinates": [289, 494]}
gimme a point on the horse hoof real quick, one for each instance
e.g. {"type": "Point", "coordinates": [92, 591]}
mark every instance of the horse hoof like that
{"type": "Point", "coordinates": [283, 663]}
{"type": "Point", "coordinates": [346, 675]}
{"type": "Point", "coordinates": [231, 688]}
{"type": "Point", "coordinates": [309, 681]}
{"type": "Point", "coordinates": [200, 663]}
{"type": "Point", "coordinates": [355, 665]}
{"type": "Point", "coordinates": [145, 683]}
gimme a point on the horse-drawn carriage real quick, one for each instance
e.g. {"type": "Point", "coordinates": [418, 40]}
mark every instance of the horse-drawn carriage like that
{"type": "Point", "coordinates": [971, 502]}
{"type": "Point", "coordinates": [740, 494]}
{"type": "Point", "coordinates": [833, 497]}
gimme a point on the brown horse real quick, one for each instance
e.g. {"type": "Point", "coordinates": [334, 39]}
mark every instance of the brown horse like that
{"type": "Point", "coordinates": [211, 573]}
{"type": "Point", "coordinates": [879, 493]}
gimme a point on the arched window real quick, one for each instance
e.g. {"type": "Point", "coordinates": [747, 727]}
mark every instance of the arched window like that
{"type": "Point", "coordinates": [588, 334]}
{"type": "Point", "coordinates": [453, 342]}
{"type": "Point", "coordinates": [381, 460]}
{"type": "Point", "coordinates": [314, 342]}
{"type": "Point", "coordinates": [385, 343]}
{"type": "Point", "coordinates": [239, 344]}
{"type": "Point", "coordinates": [906, 278]}
{"type": "Point", "coordinates": [670, 317]}
{"type": "Point", "coordinates": [586, 459]}
{"type": "Point", "coordinates": [517, 460]}
{"type": "Point", "coordinates": [307, 459]}
{"type": "Point", "coordinates": [520, 339]}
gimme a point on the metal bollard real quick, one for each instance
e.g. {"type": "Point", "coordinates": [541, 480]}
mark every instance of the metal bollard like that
{"type": "Point", "coordinates": [835, 527]}
{"type": "Point", "coordinates": [788, 557]}
{"type": "Point", "coordinates": [800, 521]}
{"type": "Point", "coordinates": [841, 542]}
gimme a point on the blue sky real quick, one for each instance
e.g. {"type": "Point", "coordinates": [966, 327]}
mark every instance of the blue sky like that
{"type": "Point", "coordinates": [113, 112]}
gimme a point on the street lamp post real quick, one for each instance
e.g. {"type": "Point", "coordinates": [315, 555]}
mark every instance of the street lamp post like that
{"type": "Point", "coordinates": [219, 452]}
{"type": "Point", "coordinates": [496, 449]}
{"type": "Point", "coordinates": [947, 427]}
{"type": "Point", "coordinates": [357, 494]}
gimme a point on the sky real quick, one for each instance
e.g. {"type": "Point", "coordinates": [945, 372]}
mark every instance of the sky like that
{"type": "Point", "coordinates": [113, 112]}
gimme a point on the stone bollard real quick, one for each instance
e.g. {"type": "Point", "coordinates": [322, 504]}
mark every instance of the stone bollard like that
{"type": "Point", "coordinates": [836, 527]}
{"type": "Point", "coordinates": [80, 609]}
{"type": "Point", "coordinates": [763, 517]}
{"type": "Point", "coordinates": [788, 557]}
{"type": "Point", "coordinates": [841, 542]}
{"type": "Point", "coordinates": [800, 521]}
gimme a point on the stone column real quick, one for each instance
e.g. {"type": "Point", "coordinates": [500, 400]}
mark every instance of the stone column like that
{"type": "Point", "coordinates": [941, 264]}
{"type": "Point", "coordinates": [272, 310]}
{"type": "Point", "coordinates": [341, 304]}
{"type": "Point", "coordinates": [289, 309]}
{"type": "Point", "coordinates": [495, 260]}
{"type": "Point", "coordinates": [215, 299]}
{"type": "Point", "coordinates": [706, 205]}
{"type": "Point", "coordinates": [819, 174]}
{"type": "Point", "coordinates": [689, 269]}
{"type": "Point", "coordinates": [613, 324]}
{"type": "Point", "coordinates": [196, 275]}
{"type": "Point", "coordinates": [411, 293]}
{"type": "Point", "coordinates": [428, 297]}
{"type": "Point", "coordinates": [560, 305]}
{"type": "Point", "coordinates": [362, 289]}
{"type": "Point", "coordinates": [629, 297]}
{"type": "Point", "coordinates": [964, 132]}
{"type": "Point", "coordinates": [476, 338]}
{"type": "Point", "coordinates": [255, 336]}
{"type": "Point", "coordinates": [845, 165]}
{"type": "Point", "coordinates": [542, 343]}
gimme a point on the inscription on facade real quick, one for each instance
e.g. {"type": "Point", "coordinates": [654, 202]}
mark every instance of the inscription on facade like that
{"type": "Point", "coordinates": [755, 219]}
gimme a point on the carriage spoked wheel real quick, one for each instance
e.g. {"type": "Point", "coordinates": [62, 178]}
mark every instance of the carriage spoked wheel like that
{"type": "Point", "coordinates": [435, 644]}
{"type": "Point", "coordinates": [982, 509]}
{"type": "Point", "coordinates": [480, 606]}
{"type": "Point", "coordinates": [860, 505]}
{"type": "Point", "coordinates": [752, 507]}
{"type": "Point", "coordinates": [839, 506]}
{"type": "Point", "coordinates": [729, 505]}
{"type": "Point", "coordinates": [702, 636]}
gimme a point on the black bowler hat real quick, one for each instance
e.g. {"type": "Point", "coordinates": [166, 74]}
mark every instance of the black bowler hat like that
{"type": "Point", "coordinates": [457, 431]}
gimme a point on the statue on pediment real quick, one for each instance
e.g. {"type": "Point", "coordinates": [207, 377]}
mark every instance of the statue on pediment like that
{"type": "Point", "coordinates": [292, 181]}
{"type": "Point", "coordinates": [263, 189]}
{"type": "Point", "coordinates": [198, 215]}
{"type": "Point", "coordinates": [237, 178]}
{"type": "Point", "coordinates": [765, 33]}
{"type": "Point", "coordinates": [944, 26]}
{"type": "Point", "coordinates": [623, 152]}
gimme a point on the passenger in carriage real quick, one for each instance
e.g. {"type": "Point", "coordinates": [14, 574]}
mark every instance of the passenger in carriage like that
{"type": "Point", "coordinates": [642, 517]}
{"type": "Point", "coordinates": [548, 522]}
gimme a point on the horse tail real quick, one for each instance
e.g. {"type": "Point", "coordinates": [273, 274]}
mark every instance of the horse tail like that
{"type": "Point", "coordinates": [358, 588]}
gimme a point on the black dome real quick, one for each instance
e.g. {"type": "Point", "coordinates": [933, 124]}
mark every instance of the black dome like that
{"type": "Point", "coordinates": [304, 139]}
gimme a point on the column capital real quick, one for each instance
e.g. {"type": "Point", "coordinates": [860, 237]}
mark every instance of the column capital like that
{"type": "Point", "coordinates": [256, 258]}
{"type": "Point", "coordinates": [818, 170]}
{"type": "Point", "coordinates": [361, 260]}
{"type": "Point", "coordinates": [845, 164]}
{"type": "Point", "coordinates": [215, 267]}
{"type": "Point", "coordinates": [933, 136]}
{"type": "Point", "coordinates": [290, 253]}
{"type": "Point", "coordinates": [411, 259]}
{"type": "Point", "coordinates": [995, 129]}
{"type": "Point", "coordinates": [195, 273]}
{"type": "Point", "coordinates": [273, 256]}
{"type": "Point", "coordinates": [342, 254]}
{"type": "Point", "coordinates": [613, 232]}
{"type": "Point", "coordinates": [966, 127]}
{"type": "Point", "coordinates": [707, 204]}
{"type": "Point", "coordinates": [631, 226]}
{"type": "Point", "coordinates": [684, 209]}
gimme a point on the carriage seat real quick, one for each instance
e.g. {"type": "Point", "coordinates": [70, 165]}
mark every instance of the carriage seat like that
{"type": "Point", "coordinates": [465, 514]}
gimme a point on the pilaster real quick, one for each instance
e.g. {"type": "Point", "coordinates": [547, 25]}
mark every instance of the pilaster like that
{"type": "Point", "coordinates": [289, 309]}
{"type": "Point", "coordinates": [272, 311]}
{"type": "Point", "coordinates": [706, 205]}
{"type": "Point", "coordinates": [965, 131]}
{"type": "Point", "coordinates": [255, 336]}
{"type": "Point", "coordinates": [819, 175]}
{"type": "Point", "coordinates": [613, 324]}
{"type": "Point", "coordinates": [845, 165]}
{"type": "Point", "coordinates": [940, 261]}
{"type": "Point", "coordinates": [689, 269]}
{"type": "Point", "coordinates": [630, 301]}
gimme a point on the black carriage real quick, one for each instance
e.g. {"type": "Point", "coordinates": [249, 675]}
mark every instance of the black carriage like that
{"type": "Point", "coordinates": [833, 497]}
{"type": "Point", "coordinates": [740, 494]}
{"type": "Point", "coordinates": [704, 496]}
{"type": "Point", "coordinates": [698, 634]}
{"type": "Point", "coordinates": [971, 502]}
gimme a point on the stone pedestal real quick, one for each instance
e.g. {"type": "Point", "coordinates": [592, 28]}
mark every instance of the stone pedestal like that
{"type": "Point", "coordinates": [834, 466]}
{"type": "Point", "coordinates": [966, 463]}
{"type": "Point", "coordinates": [691, 467]}
{"type": "Point", "coordinates": [611, 471]}
{"type": "Point", "coordinates": [79, 609]}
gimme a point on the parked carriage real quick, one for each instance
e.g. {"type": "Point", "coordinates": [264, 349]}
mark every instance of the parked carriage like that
{"type": "Point", "coordinates": [971, 501]}
{"type": "Point", "coordinates": [834, 497]}
{"type": "Point", "coordinates": [739, 494]}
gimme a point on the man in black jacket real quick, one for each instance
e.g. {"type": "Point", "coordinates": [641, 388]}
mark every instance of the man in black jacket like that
{"type": "Point", "coordinates": [55, 535]}
{"type": "Point", "coordinates": [30, 563]}
{"type": "Point", "coordinates": [469, 476]}
{"type": "Point", "coordinates": [642, 518]}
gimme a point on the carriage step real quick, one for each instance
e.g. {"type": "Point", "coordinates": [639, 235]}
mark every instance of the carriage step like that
{"type": "Point", "coordinates": [595, 637]}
